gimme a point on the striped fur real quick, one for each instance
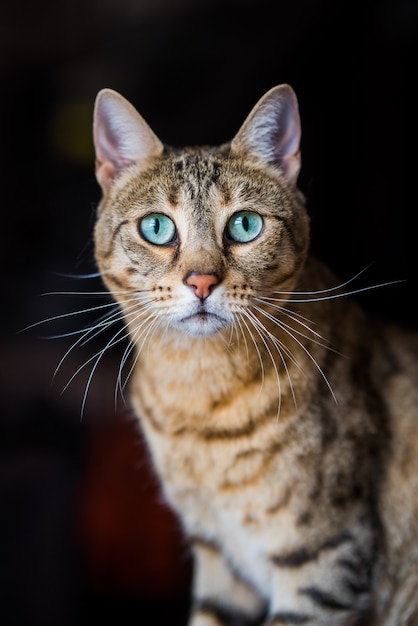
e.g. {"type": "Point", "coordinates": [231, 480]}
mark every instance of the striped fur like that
{"type": "Point", "coordinates": [280, 419]}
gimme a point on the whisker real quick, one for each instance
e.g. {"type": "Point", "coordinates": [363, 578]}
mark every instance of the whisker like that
{"type": "Point", "coordinates": [54, 318]}
{"type": "Point", "coordinates": [256, 324]}
{"type": "Point", "coordinates": [152, 327]}
{"type": "Point", "coordinates": [99, 323]}
{"type": "Point", "coordinates": [290, 331]}
{"type": "Point", "coordinates": [96, 293]}
{"type": "Point", "coordinates": [294, 314]}
{"type": "Point", "coordinates": [231, 334]}
{"type": "Point", "coordinates": [116, 339]}
{"type": "Point", "coordinates": [93, 331]}
{"type": "Point", "coordinates": [79, 343]}
{"type": "Point", "coordinates": [280, 347]}
{"type": "Point", "coordinates": [241, 317]}
{"type": "Point", "coordinates": [328, 297]}
{"type": "Point", "coordinates": [283, 325]}
{"type": "Point", "coordinates": [237, 327]}
{"type": "Point", "coordinates": [78, 276]}
{"type": "Point", "coordinates": [339, 286]}
{"type": "Point", "coordinates": [133, 343]}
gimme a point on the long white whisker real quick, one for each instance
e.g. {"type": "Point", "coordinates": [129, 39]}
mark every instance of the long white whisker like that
{"type": "Point", "coordinates": [281, 346]}
{"type": "Point", "coordinates": [112, 342]}
{"type": "Point", "coordinates": [328, 297]}
{"type": "Point", "coordinates": [71, 314]}
{"type": "Point", "coordinates": [237, 326]}
{"type": "Point", "coordinates": [241, 317]}
{"type": "Point", "coordinates": [295, 315]}
{"type": "Point", "coordinates": [88, 334]}
{"type": "Point", "coordinates": [286, 328]}
{"type": "Point", "coordinates": [256, 324]}
{"type": "Point", "coordinates": [336, 287]}
{"type": "Point", "coordinates": [78, 276]}
{"type": "Point", "coordinates": [136, 335]}
{"type": "Point", "coordinates": [130, 293]}
{"type": "Point", "coordinates": [282, 350]}
{"type": "Point", "coordinates": [152, 327]}
{"type": "Point", "coordinates": [93, 331]}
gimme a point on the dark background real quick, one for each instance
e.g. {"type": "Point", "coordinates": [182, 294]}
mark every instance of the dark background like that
{"type": "Point", "coordinates": [83, 532]}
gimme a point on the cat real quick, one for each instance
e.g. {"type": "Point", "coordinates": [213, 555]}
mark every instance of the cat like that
{"type": "Point", "coordinates": [281, 419]}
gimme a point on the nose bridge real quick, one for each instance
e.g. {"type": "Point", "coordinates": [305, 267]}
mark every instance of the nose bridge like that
{"type": "Point", "coordinates": [203, 258]}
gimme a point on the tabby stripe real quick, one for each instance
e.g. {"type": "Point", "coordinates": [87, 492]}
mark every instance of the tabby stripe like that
{"type": "Point", "coordinates": [289, 231]}
{"type": "Point", "coordinates": [234, 433]}
{"type": "Point", "coordinates": [109, 251]}
{"type": "Point", "coordinates": [112, 278]}
{"type": "Point", "coordinates": [215, 434]}
{"type": "Point", "coordinates": [354, 566]}
{"type": "Point", "coordinates": [269, 453]}
{"type": "Point", "coordinates": [361, 571]}
{"type": "Point", "coordinates": [282, 278]}
{"type": "Point", "coordinates": [287, 617]}
{"type": "Point", "coordinates": [220, 434]}
{"type": "Point", "coordinates": [149, 415]}
{"type": "Point", "coordinates": [324, 599]}
{"type": "Point", "coordinates": [225, 616]}
{"type": "Point", "coordinates": [359, 588]}
{"type": "Point", "coordinates": [284, 501]}
{"type": "Point", "coordinates": [300, 557]}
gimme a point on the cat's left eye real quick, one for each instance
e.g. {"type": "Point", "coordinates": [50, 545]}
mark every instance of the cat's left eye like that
{"type": "Point", "coordinates": [244, 226]}
{"type": "Point", "coordinates": [158, 229]}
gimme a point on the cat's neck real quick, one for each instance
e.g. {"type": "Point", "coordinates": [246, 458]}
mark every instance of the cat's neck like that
{"type": "Point", "coordinates": [202, 376]}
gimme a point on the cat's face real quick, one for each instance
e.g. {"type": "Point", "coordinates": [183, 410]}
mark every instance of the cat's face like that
{"type": "Point", "coordinates": [188, 240]}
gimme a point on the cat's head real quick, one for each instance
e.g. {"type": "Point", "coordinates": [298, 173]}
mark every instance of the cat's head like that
{"type": "Point", "coordinates": [189, 239]}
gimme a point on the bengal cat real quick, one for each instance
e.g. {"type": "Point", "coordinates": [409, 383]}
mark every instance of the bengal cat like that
{"type": "Point", "coordinates": [281, 419]}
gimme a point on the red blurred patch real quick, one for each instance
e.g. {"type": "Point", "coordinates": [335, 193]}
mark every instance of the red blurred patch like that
{"type": "Point", "coordinates": [131, 540]}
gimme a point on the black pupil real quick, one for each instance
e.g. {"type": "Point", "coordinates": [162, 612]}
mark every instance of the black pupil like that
{"type": "Point", "coordinates": [156, 226]}
{"type": "Point", "coordinates": [245, 223]}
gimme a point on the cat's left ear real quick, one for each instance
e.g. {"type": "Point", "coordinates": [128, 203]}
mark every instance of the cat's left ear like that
{"type": "Point", "coordinates": [121, 137]}
{"type": "Point", "coordinates": [271, 133]}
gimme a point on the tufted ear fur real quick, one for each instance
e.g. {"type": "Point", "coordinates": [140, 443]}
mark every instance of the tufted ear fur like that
{"type": "Point", "coordinates": [121, 137]}
{"type": "Point", "coordinates": [271, 133]}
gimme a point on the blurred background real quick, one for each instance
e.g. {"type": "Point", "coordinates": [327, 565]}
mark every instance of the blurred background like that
{"type": "Point", "coordinates": [83, 530]}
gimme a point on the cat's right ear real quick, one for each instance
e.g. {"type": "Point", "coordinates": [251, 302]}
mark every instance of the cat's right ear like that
{"type": "Point", "coordinates": [121, 137]}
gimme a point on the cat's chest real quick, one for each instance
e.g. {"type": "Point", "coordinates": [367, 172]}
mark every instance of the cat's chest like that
{"type": "Point", "coordinates": [232, 490]}
{"type": "Point", "coordinates": [248, 521]}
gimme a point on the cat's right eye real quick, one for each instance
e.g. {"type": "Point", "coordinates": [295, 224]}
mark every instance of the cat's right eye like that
{"type": "Point", "coordinates": [158, 229]}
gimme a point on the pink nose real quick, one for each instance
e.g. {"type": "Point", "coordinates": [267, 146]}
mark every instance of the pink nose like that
{"type": "Point", "coordinates": [202, 284]}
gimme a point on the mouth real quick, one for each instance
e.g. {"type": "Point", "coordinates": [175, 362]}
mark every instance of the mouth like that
{"type": "Point", "coordinates": [202, 323]}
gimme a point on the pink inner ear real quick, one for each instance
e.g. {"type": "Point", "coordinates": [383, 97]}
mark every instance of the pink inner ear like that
{"type": "Point", "coordinates": [287, 140]}
{"type": "Point", "coordinates": [289, 132]}
{"type": "Point", "coordinates": [107, 143]}
{"type": "Point", "coordinates": [121, 136]}
{"type": "Point", "coordinates": [109, 161]}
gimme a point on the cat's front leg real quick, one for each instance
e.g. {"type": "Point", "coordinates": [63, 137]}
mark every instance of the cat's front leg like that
{"type": "Point", "coordinates": [316, 595]}
{"type": "Point", "coordinates": [220, 596]}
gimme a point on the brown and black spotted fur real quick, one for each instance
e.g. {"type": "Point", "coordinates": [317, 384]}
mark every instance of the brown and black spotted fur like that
{"type": "Point", "coordinates": [282, 422]}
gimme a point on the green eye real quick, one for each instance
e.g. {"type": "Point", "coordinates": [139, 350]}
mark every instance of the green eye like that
{"type": "Point", "coordinates": [157, 229]}
{"type": "Point", "coordinates": [244, 226]}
